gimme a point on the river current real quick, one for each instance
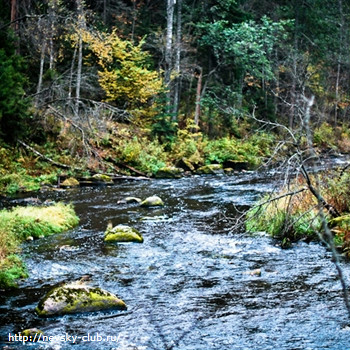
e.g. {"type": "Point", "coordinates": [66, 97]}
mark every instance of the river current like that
{"type": "Point", "coordinates": [191, 285]}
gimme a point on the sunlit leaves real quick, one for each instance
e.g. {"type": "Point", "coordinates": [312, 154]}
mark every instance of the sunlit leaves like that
{"type": "Point", "coordinates": [125, 74]}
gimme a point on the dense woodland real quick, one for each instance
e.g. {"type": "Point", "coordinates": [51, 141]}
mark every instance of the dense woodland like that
{"type": "Point", "coordinates": [115, 86]}
{"type": "Point", "coordinates": [133, 87]}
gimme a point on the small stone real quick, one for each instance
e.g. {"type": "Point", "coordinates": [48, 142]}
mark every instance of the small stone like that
{"type": "Point", "coordinates": [255, 272]}
{"type": "Point", "coordinates": [70, 182]}
{"type": "Point", "coordinates": [133, 200]}
{"type": "Point", "coordinates": [153, 201]}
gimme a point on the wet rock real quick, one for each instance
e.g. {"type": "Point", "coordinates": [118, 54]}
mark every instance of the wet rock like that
{"type": "Point", "coordinates": [70, 182]}
{"type": "Point", "coordinates": [153, 201]}
{"type": "Point", "coordinates": [102, 179]}
{"type": "Point", "coordinates": [169, 172]}
{"type": "Point", "coordinates": [210, 169]}
{"type": "Point", "coordinates": [75, 298]}
{"type": "Point", "coordinates": [130, 200]}
{"type": "Point", "coordinates": [32, 332]}
{"type": "Point", "coordinates": [255, 272]}
{"type": "Point", "coordinates": [122, 233]}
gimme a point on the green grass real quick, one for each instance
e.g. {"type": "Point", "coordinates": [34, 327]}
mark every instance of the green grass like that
{"type": "Point", "coordinates": [18, 224]}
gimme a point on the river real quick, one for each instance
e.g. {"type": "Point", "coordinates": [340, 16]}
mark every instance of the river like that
{"type": "Point", "coordinates": [188, 286]}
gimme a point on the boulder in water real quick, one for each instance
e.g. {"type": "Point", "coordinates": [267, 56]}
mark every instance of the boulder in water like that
{"type": "Point", "coordinates": [169, 172]}
{"type": "Point", "coordinates": [210, 169]}
{"type": "Point", "coordinates": [70, 182]}
{"type": "Point", "coordinates": [102, 179]}
{"type": "Point", "coordinates": [153, 201]}
{"type": "Point", "coordinates": [74, 298]}
{"type": "Point", "coordinates": [122, 233]}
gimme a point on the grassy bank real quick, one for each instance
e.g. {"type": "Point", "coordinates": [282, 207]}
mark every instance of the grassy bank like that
{"type": "Point", "coordinates": [292, 213]}
{"type": "Point", "coordinates": [20, 223]}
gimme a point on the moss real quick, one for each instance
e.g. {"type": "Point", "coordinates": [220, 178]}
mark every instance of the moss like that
{"type": "Point", "coordinates": [102, 178]}
{"type": "Point", "coordinates": [75, 298]}
{"type": "Point", "coordinates": [31, 332]}
{"type": "Point", "coordinates": [169, 172]}
{"type": "Point", "coordinates": [18, 224]}
{"type": "Point", "coordinates": [210, 169]}
{"type": "Point", "coordinates": [153, 201]}
{"type": "Point", "coordinates": [122, 233]}
{"type": "Point", "coordinates": [70, 182]}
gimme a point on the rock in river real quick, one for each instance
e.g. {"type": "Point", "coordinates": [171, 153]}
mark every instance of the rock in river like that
{"type": "Point", "coordinates": [153, 201]}
{"type": "Point", "coordinates": [122, 233]}
{"type": "Point", "coordinates": [74, 297]}
{"type": "Point", "coordinates": [210, 169]}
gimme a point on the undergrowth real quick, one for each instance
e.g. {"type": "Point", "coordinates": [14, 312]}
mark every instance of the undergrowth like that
{"type": "Point", "coordinates": [293, 217]}
{"type": "Point", "coordinates": [18, 224]}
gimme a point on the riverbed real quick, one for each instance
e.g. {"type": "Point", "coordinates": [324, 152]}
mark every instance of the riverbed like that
{"type": "Point", "coordinates": [193, 284]}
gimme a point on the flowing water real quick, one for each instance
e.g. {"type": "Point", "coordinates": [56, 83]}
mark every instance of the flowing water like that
{"type": "Point", "coordinates": [188, 286]}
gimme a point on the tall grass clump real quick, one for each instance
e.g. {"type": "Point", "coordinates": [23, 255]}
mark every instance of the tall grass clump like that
{"type": "Point", "coordinates": [291, 214]}
{"type": "Point", "coordinates": [18, 224]}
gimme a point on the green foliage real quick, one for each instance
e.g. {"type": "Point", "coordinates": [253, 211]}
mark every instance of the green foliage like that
{"type": "Point", "coordinates": [282, 221]}
{"type": "Point", "coordinates": [13, 103]}
{"type": "Point", "coordinates": [247, 44]}
{"type": "Point", "coordinates": [11, 269]}
{"type": "Point", "coordinates": [324, 136]}
{"type": "Point", "coordinates": [147, 156]}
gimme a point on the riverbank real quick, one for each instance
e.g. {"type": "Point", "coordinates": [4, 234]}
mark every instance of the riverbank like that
{"type": "Point", "coordinates": [126, 150]}
{"type": "Point", "coordinates": [25, 224]}
{"type": "Point", "coordinates": [293, 213]}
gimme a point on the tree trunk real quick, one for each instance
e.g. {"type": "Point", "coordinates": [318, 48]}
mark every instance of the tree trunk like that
{"type": "Point", "coordinates": [41, 72]}
{"type": "Point", "coordinates": [14, 15]}
{"type": "Point", "coordinates": [197, 111]}
{"type": "Point", "coordinates": [169, 42]}
{"type": "Point", "coordinates": [81, 25]}
{"type": "Point", "coordinates": [177, 60]}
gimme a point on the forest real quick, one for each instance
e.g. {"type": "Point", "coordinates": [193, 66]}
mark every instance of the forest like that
{"type": "Point", "coordinates": [131, 87]}
{"type": "Point", "coordinates": [218, 130]}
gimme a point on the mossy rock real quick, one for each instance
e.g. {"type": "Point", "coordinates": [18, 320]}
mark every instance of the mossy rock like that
{"type": "Point", "coordinates": [122, 233]}
{"type": "Point", "coordinates": [153, 201]}
{"type": "Point", "coordinates": [103, 179]}
{"type": "Point", "coordinates": [31, 332]}
{"type": "Point", "coordinates": [169, 172]}
{"type": "Point", "coordinates": [70, 182]}
{"type": "Point", "coordinates": [210, 169]}
{"type": "Point", "coordinates": [76, 298]}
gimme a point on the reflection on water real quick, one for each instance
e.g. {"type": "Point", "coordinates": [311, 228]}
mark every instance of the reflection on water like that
{"type": "Point", "coordinates": [188, 285]}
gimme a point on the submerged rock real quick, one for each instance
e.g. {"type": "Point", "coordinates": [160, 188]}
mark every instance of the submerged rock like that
{"type": "Point", "coordinates": [122, 233]}
{"type": "Point", "coordinates": [70, 182]}
{"type": "Point", "coordinates": [210, 169]}
{"type": "Point", "coordinates": [169, 172]}
{"type": "Point", "coordinates": [74, 298]}
{"type": "Point", "coordinates": [153, 201]}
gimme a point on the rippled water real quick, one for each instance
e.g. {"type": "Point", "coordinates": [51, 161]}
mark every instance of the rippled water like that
{"type": "Point", "coordinates": [188, 285]}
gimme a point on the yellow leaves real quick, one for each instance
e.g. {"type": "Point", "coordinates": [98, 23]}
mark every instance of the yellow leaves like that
{"type": "Point", "coordinates": [125, 75]}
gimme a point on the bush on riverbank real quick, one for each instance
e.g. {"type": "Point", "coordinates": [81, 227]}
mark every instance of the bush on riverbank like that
{"type": "Point", "coordinates": [293, 217]}
{"type": "Point", "coordinates": [19, 224]}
